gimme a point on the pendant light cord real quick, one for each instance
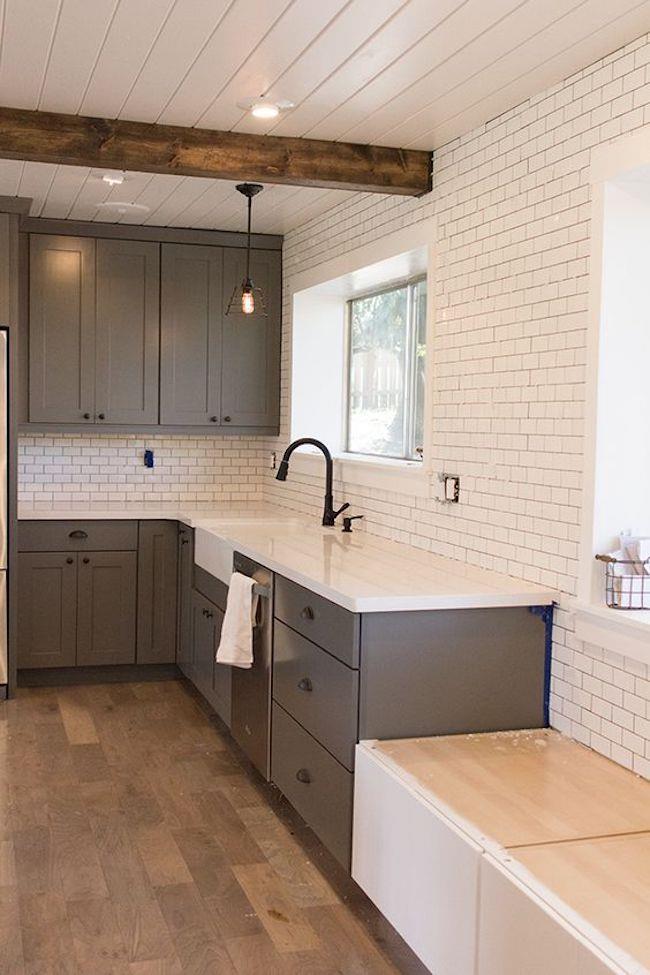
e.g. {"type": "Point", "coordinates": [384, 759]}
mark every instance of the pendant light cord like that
{"type": "Point", "coordinates": [248, 241]}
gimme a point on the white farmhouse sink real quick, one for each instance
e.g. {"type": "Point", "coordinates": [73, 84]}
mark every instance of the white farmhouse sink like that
{"type": "Point", "coordinates": [213, 551]}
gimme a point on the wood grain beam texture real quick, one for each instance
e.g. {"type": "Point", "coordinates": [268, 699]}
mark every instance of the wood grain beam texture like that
{"type": "Point", "coordinates": [78, 140]}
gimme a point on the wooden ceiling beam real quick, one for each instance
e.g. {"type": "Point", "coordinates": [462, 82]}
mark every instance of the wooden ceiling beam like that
{"type": "Point", "coordinates": [77, 140]}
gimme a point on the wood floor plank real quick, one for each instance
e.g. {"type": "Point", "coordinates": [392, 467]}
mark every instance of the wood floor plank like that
{"type": "Point", "coordinates": [98, 945]}
{"type": "Point", "coordinates": [198, 945]}
{"type": "Point", "coordinates": [285, 923]}
{"type": "Point", "coordinates": [47, 939]}
{"type": "Point", "coordinates": [77, 719]}
{"type": "Point", "coordinates": [161, 857]}
{"type": "Point", "coordinates": [307, 887]}
{"type": "Point", "coordinates": [11, 934]}
{"type": "Point", "coordinates": [145, 934]}
{"type": "Point", "coordinates": [239, 845]}
{"type": "Point", "coordinates": [74, 850]}
{"type": "Point", "coordinates": [90, 763]}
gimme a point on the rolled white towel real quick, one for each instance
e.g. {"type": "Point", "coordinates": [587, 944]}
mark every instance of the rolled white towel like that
{"type": "Point", "coordinates": [236, 645]}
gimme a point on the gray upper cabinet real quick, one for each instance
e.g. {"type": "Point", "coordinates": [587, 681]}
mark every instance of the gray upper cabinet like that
{"type": "Point", "coordinates": [62, 329]}
{"type": "Point", "coordinates": [251, 343]}
{"type": "Point", "coordinates": [127, 331]}
{"type": "Point", "coordinates": [191, 300]}
{"type": "Point", "coordinates": [134, 333]}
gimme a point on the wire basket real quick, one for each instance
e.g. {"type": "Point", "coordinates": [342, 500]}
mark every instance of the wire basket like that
{"type": "Point", "coordinates": [627, 582]}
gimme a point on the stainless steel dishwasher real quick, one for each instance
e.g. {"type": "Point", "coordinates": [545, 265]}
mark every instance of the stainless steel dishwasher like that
{"type": "Point", "coordinates": [251, 689]}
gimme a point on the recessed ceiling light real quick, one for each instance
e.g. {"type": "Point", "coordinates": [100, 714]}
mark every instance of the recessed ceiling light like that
{"type": "Point", "coordinates": [113, 179]}
{"type": "Point", "coordinates": [263, 108]}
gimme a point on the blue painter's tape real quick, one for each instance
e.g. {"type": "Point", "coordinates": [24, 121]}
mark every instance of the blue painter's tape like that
{"type": "Point", "coordinates": [545, 613]}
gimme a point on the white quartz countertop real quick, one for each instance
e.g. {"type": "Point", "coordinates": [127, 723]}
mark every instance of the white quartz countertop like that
{"type": "Point", "coordinates": [358, 571]}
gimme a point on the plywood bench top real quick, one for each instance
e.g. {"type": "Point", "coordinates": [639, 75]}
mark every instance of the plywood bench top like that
{"type": "Point", "coordinates": [605, 881]}
{"type": "Point", "coordinates": [522, 788]}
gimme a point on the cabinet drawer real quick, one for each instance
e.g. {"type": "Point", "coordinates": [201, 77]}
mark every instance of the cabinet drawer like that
{"type": "Point", "coordinates": [318, 619]}
{"type": "Point", "coordinates": [77, 536]}
{"type": "Point", "coordinates": [317, 690]}
{"type": "Point", "coordinates": [315, 784]}
{"type": "Point", "coordinates": [212, 588]}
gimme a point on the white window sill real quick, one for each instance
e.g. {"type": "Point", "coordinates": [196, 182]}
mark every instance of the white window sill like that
{"type": "Point", "coordinates": [398, 476]}
{"type": "Point", "coordinates": [621, 631]}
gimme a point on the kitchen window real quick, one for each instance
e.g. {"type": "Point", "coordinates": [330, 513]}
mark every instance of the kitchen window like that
{"type": "Point", "coordinates": [386, 354]}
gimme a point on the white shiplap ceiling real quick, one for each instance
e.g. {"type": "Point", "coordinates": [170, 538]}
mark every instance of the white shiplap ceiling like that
{"type": "Point", "coordinates": [410, 73]}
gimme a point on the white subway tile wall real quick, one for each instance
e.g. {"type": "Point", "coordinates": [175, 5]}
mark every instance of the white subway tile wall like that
{"type": "Point", "coordinates": [511, 202]}
{"type": "Point", "coordinates": [105, 469]}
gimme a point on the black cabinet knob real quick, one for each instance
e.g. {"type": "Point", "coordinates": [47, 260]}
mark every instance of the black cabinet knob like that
{"type": "Point", "coordinates": [303, 776]}
{"type": "Point", "coordinates": [185, 541]}
{"type": "Point", "coordinates": [86, 416]}
{"type": "Point", "coordinates": [69, 561]}
{"type": "Point", "coordinates": [101, 416]}
{"type": "Point", "coordinates": [307, 613]}
{"type": "Point", "coordinates": [305, 684]}
{"type": "Point", "coordinates": [86, 560]}
{"type": "Point", "coordinates": [214, 419]}
{"type": "Point", "coordinates": [226, 419]}
{"type": "Point", "coordinates": [209, 614]}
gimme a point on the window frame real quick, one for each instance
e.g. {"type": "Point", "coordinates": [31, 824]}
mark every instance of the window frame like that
{"type": "Point", "coordinates": [413, 455]}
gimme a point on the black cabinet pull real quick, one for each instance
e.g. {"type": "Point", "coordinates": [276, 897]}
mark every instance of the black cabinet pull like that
{"type": "Point", "coordinates": [305, 684]}
{"type": "Point", "coordinates": [307, 613]}
{"type": "Point", "coordinates": [214, 419]}
{"type": "Point", "coordinates": [185, 541]}
{"type": "Point", "coordinates": [100, 416]}
{"type": "Point", "coordinates": [69, 561]}
{"type": "Point", "coordinates": [86, 560]}
{"type": "Point", "coordinates": [78, 533]}
{"type": "Point", "coordinates": [303, 776]}
{"type": "Point", "coordinates": [226, 419]}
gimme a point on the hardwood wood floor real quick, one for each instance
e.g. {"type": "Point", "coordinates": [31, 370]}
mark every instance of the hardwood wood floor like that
{"type": "Point", "coordinates": [134, 840]}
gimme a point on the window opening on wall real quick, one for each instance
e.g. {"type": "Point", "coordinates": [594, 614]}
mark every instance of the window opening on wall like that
{"type": "Point", "coordinates": [386, 358]}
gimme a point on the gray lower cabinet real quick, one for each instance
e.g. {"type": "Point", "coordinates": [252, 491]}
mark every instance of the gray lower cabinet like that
{"type": "Point", "coordinates": [47, 609]}
{"type": "Point", "coordinates": [340, 677]}
{"type": "Point", "coordinates": [206, 625]}
{"type": "Point", "coordinates": [61, 329]}
{"type": "Point", "coordinates": [251, 343]}
{"type": "Point", "coordinates": [318, 786]}
{"type": "Point", "coordinates": [127, 331]}
{"type": "Point", "coordinates": [185, 550]}
{"type": "Point", "coordinates": [106, 612]}
{"type": "Point", "coordinates": [157, 592]}
{"type": "Point", "coordinates": [190, 331]}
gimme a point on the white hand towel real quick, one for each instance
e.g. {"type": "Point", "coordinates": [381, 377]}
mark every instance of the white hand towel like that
{"type": "Point", "coordinates": [236, 646]}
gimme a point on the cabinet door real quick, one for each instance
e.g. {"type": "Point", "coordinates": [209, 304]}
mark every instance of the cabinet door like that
{"type": "Point", "coordinates": [127, 343]}
{"type": "Point", "coordinates": [205, 617]}
{"type": "Point", "coordinates": [62, 329]}
{"type": "Point", "coordinates": [157, 586]}
{"type": "Point", "coordinates": [185, 584]}
{"type": "Point", "coordinates": [191, 298]}
{"type": "Point", "coordinates": [106, 613]}
{"type": "Point", "coordinates": [222, 682]}
{"type": "Point", "coordinates": [47, 609]}
{"type": "Point", "coordinates": [251, 343]}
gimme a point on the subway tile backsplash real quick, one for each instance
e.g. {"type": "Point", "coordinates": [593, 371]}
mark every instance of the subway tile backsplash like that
{"type": "Point", "coordinates": [107, 469]}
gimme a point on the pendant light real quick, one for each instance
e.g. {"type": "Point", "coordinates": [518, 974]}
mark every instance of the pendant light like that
{"type": "Point", "coordinates": [244, 296]}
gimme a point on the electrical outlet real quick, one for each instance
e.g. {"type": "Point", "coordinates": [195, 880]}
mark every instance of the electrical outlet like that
{"type": "Point", "coordinates": [450, 488]}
